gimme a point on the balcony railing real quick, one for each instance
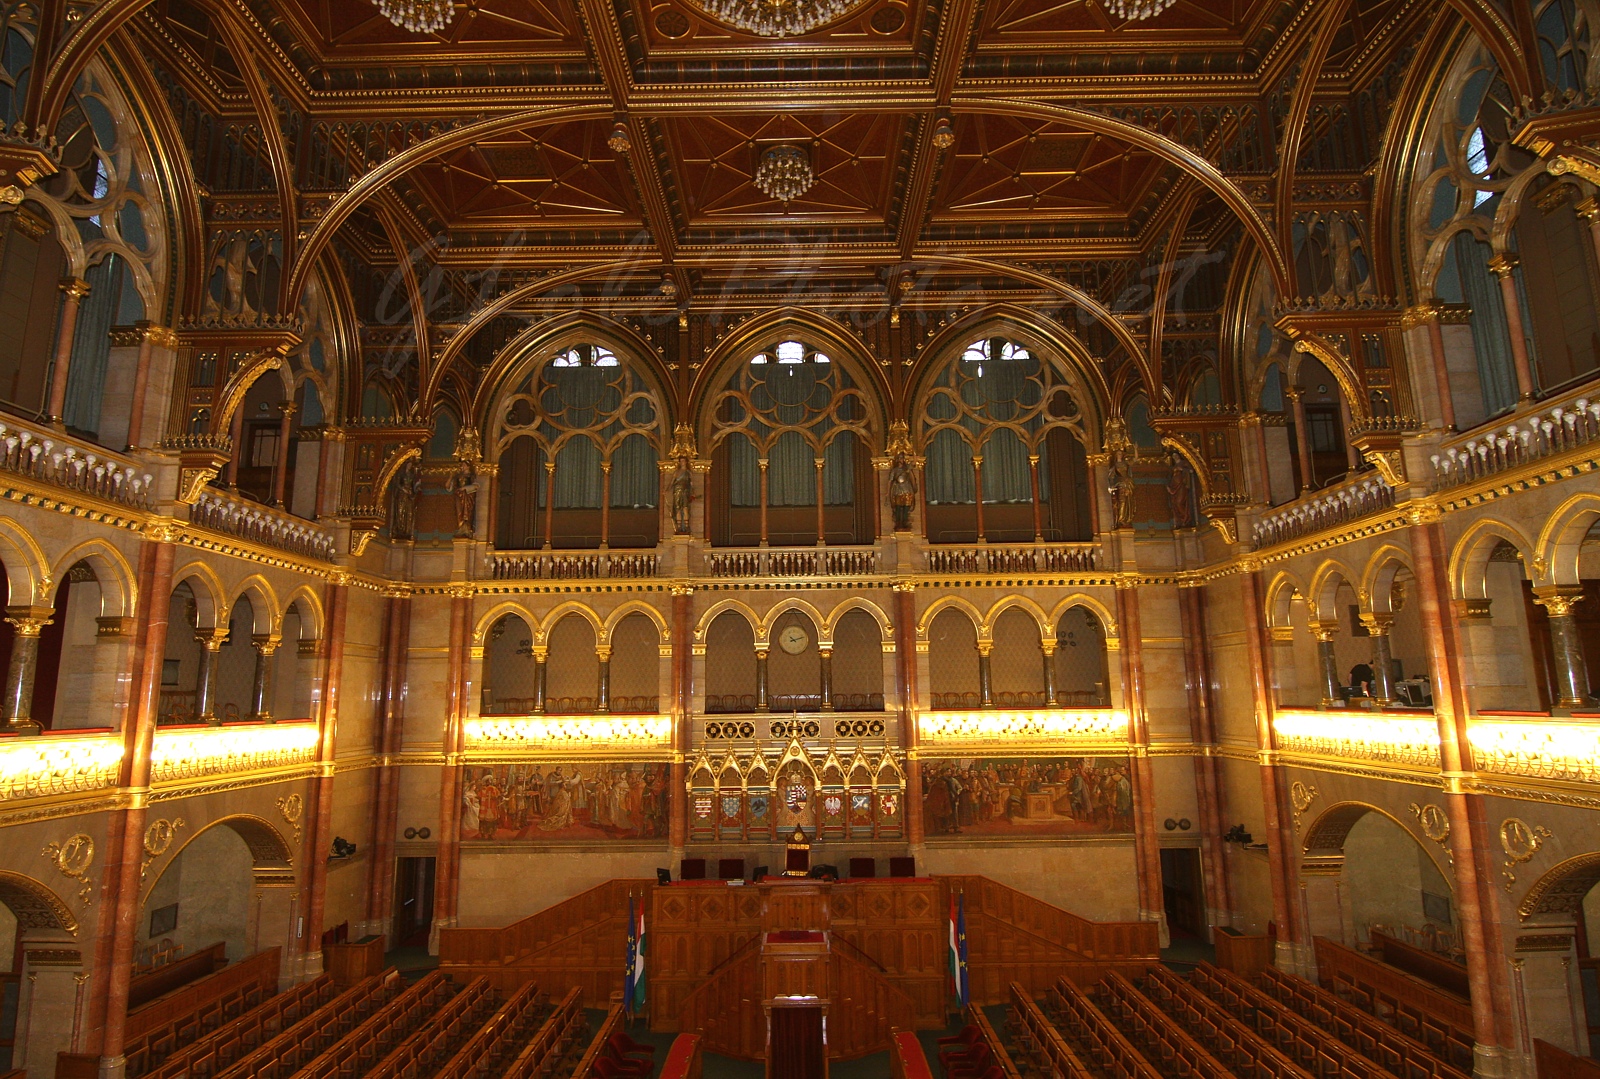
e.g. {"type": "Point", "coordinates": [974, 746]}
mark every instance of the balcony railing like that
{"type": "Point", "coordinates": [1053, 728]}
{"type": "Point", "coordinates": [507, 734]}
{"type": "Point", "coordinates": [573, 706]}
{"type": "Point", "coordinates": [1328, 509]}
{"type": "Point", "coordinates": [792, 562]}
{"type": "Point", "coordinates": [1015, 558]}
{"type": "Point", "coordinates": [568, 566]}
{"type": "Point", "coordinates": [60, 462]}
{"type": "Point", "coordinates": [745, 703]}
{"type": "Point", "coordinates": [1544, 434]}
{"type": "Point", "coordinates": [255, 523]}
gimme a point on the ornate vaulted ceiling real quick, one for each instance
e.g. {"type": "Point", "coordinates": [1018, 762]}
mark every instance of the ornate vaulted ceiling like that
{"type": "Point", "coordinates": [1077, 161]}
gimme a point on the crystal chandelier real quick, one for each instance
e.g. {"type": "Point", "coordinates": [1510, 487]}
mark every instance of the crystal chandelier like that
{"type": "Point", "coordinates": [1135, 10]}
{"type": "Point", "coordinates": [418, 16]}
{"type": "Point", "coordinates": [778, 18]}
{"type": "Point", "coordinates": [784, 173]}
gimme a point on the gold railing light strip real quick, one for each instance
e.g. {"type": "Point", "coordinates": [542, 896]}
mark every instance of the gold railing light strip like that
{"type": "Point", "coordinates": [185, 753]}
{"type": "Point", "coordinates": [53, 764]}
{"type": "Point", "coordinates": [1066, 727]}
{"type": "Point", "coordinates": [1568, 750]}
{"type": "Point", "coordinates": [577, 732]}
{"type": "Point", "coordinates": [1358, 736]}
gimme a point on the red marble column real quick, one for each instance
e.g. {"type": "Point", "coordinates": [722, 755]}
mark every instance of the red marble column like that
{"type": "Point", "coordinates": [1147, 850]}
{"type": "Point", "coordinates": [320, 819]}
{"type": "Point", "coordinates": [386, 793]}
{"type": "Point", "coordinates": [447, 887]}
{"type": "Point", "coordinates": [1274, 790]}
{"type": "Point", "coordinates": [113, 968]}
{"type": "Point", "coordinates": [682, 696]}
{"type": "Point", "coordinates": [73, 291]}
{"type": "Point", "coordinates": [280, 467]}
{"type": "Point", "coordinates": [905, 656]}
{"type": "Point", "coordinates": [141, 377]}
{"type": "Point", "coordinates": [1471, 852]}
{"type": "Point", "coordinates": [1207, 770]}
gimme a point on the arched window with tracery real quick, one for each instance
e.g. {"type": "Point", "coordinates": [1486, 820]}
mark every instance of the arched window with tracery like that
{"type": "Point", "coordinates": [577, 442]}
{"type": "Point", "coordinates": [1499, 239]}
{"type": "Point", "coordinates": [791, 462]}
{"type": "Point", "coordinates": [1002, 439]}
{"type": "Point", "coordinates": [92, 235]}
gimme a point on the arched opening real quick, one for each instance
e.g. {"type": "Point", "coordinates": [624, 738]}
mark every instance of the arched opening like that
{"type": "Point", "coordinates": [794, 664]}
{"type": "Point", "coordinates": [1083, 672]}
{"type": "Point", "coordinates": [38, 991]}
{"type": "Point", "coordinates": [265, 428]}
{"type": "Point", "coordinates": [510, 673]}
{"type": "Point", "coordinates": [1368, 879]}
{"type": "Point", "coordinates": [573, 669]}
{"type": "Point", "coordinates": [1563, 906]}
{"type": "Point", "coordinates": [791, 459]}
{"type": "Point", "coordinates": [1277, 435]}
{"type": "Point", "coordinates": [578, 445]}
{"type": "Point", "coordinates": [1017, 664]}
{"type": "Point", "coordinates": [231, 883]}
{"type": "Point", "coordinates": [953, 660]}
{"type": "Point", "coordinates": [184, 661]}
{"type": "Point", "coordinates": [1326, 416]}
{"type": "Point", "coordinates": [294, 666]}
{"type": "Point", "coordinates": [730, 668]}
{"type": "Point", "coordinates": [635, 666]}
{"type": "Point", "coordinates": [858, 668]}
{"type": "Point", "coordinates": [236, 663]}
{"type": "Point", "coordinates": [77, 681]}
{"type": "Point", "coordinates": [1003, 443]}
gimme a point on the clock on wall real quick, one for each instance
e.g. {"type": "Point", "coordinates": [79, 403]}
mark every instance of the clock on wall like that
{"type": "Point", "coordinates": [793, 640]}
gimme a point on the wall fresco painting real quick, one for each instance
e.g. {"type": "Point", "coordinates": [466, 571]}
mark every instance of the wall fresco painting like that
{"type": "Point", "coordinates": [566, 802]}
{"type": "Point", "coordinates": [1013, 797]}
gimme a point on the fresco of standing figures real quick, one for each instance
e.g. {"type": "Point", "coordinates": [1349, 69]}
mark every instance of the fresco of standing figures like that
{"type": "Point", "coordinates": [1061, 796]}
{"type": "Point", "coordinates": [573, 802]}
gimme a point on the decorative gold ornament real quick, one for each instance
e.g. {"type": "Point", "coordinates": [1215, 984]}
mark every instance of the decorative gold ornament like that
{"type": "Point", "coordinates": [1432, 820]}
{"type": "Point", "coordinates": [1521, 841]}
{"type": "Point", "coordinates": [1301, 797]}
{"type": "Point", "coordinates": [418, 16]}
{"type": "Point", "coordinates": [784, 173]}
{"type": "Point", "coordinates": [72, 858]}
{"type": "Point", "coordinates": [292, 806]}
{"type": "Point", "coordinates": [158, 840]}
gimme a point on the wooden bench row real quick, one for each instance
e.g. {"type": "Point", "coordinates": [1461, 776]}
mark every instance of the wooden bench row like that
{"type": "Point", "coordinates": [1095, 1037]}
{"type": "Point", "coordinates": [1315, 1049]}
{"type": "Point", "coordinates": [1399, 1053]}
{"type": "Point", "coordinates": [1437, 1018]}
{"type": "Point", "coordinates": [554, 1041]}
{"type": "Point", "coordinates": [609, 1026]}
{"type": "Point", "coordinates": [441, 1038]}
{"type": "Point", "coordinates": [283, 1055]}
{"type": "Point", "coordinates": [229, 1043]}
{"type": "Point", "coordinates": [1164, 1042]}
{"type": "Point", "coordinates": [504, 1034]}
{"type": "Point", "coordinates": [182, 1016]}
{"type": "Point", "coordinates": [1047, 1052]}
{"type": "Point", "coordinates": [1002, 1058]}
{"type": "Point", "coordinates": [364, 1046]}
{"type": "Point", "coordinates": [1241, 1049]}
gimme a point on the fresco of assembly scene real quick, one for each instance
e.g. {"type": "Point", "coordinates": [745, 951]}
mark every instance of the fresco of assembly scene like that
{"type": "Point", "coordinates": [577, 802]}
{"type": "Point", "coordinates": [569, 802]}
{"type": "Point", "coordinates": [1067, 796]}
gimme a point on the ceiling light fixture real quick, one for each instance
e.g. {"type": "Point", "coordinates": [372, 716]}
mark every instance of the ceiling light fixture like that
{"type": "Point", "coordinates": [418, 16]}
{"type": "Point", "coordinates": [1136, 10]}
{"type": "Point", "coordinates": [784, 173]}
{"type": "Point", "coordinates": [778, 18]}
{"type": "Point", "coordinates": [944, 135]}
{"type": "Point", "coordinates": [619, 141]}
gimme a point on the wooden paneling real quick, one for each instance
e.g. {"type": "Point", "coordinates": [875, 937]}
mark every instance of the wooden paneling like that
{"type": "Point", "coordinates": [726, 1010]}
{"type": "Point", "coordinates": [1557, 1063]}
{"type": "Point", "coordinates": [175, 975]}
{"type": "Point", "coordinates": [1440, 1020]}
{"type": "Point", "coordinates": [350, 963]}
{"type": "Point", "coordinates": [1246, 954]}
{"type": "Point", "coordinates": [1436, 969]}
{"type": "Point", "coordinates": [866, 1010]}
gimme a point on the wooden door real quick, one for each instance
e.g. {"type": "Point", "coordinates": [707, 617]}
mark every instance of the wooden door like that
{"type": "Point", "coordinates": [795, 1049]}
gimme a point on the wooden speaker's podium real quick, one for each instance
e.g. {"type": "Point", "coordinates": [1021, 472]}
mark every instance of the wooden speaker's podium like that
{"type": "Point", "coordinates": [796, 989]}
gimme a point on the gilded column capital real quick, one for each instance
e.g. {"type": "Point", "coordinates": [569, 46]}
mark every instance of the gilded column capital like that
{"type": "Point", "coordinates": [1377, 625]}
{"type": "Point", "coordinates": [73, 287]}
{"type": "Point", "coordinates": [1502, 265]}
{"type": "Point", "coordinates": [1324, 631]}
{"type": "Point", "coordinates": [1559, 600]}
{"type": "Point", "coordinates": [265, 643]}
{"type": "Point", "coordinates": [29, 621]}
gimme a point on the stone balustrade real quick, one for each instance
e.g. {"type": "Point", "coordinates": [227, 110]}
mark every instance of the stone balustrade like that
{"type": "Point", "coordinates": [1527, 439]}
{"type": "Point", "coordinates": [255, 523]}
{"type": "Point", "coordinates": [61, 461]}
{"type": "Point", "coordinates": [1326, 509]}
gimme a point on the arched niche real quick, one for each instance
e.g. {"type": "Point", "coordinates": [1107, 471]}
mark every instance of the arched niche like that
{"type": "Point", "coordinates": [510, 676]}
{"type": "Point", "coordinates": [1083, 672]}
{"type": "Point", "coordinates": [730, 663]}
{"type": "Point", "coordinates": [953, 659]}
{"type": "Point", "coordinates": [225, 881]}
{"type": "Point", "coordinates": [1365, 872]}
{"type": "Point", "coordinates": [858, 662]}
{"type": "Point", "coordinates": [635, 665]}
{"type": "Point", "coordinates": [572, 678]}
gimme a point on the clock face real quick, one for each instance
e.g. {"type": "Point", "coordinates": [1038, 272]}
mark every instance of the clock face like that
{"type": "Point", "coordinates": [793, 640]}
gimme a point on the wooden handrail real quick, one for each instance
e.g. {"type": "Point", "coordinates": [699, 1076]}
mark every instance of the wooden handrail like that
{"type": "Point", "coordinates": [1061, 928]}
{"type": "Point", "coordinates": [1061, 1057]}
{"type": "Point", "coordinates": [517, 940]}
{"type": "Point", "coordinates": [1554, 1062]}
{"type": "Point", "coordinates": [976, 1017]}
{"type": "Point", "coordinates": [550, 1036]}
{"type": "Point", "coordinates": [608, 1027]}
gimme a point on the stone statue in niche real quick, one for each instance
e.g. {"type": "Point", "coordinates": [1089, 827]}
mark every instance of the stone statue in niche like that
{"type": "Point", "coordinates": [463, 487]}
{"type": "Point", "coordinates": [231, 270]}
{"type": "Point", "coordinates": [680, 499]}
{"type": "Point", "coordinates": [1178, 495]}
{"type": "Point", "coordinates": [407, 486]}
{"type": "Point", "coordinates": [902, 492]}
{"type": "Point", "coordinates": [1122, 491]}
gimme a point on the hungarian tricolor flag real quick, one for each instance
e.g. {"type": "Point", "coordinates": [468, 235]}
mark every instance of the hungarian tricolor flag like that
{"type": "Point", "coordinates": [633, 981]}
{"type": "Point", "coordinates": [958, 948]}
